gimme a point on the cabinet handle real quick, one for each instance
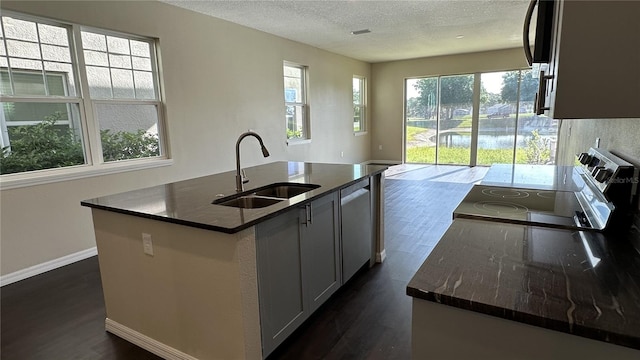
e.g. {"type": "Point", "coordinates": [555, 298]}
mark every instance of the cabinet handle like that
{"type": "Point", "coordinates": [526, 30]}
{"type": "Point", "coordinates": [542, 92]}
{"type": "Point", "coordinates": [310, 214]}
{"type": "Point", "coordinates": [307, 214]}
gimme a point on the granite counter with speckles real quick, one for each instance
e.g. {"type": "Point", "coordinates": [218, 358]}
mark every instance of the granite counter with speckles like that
{"type": "Point", "coordinates": [582, 283]}
{"type": "Point", "coordinates": [189, 202]}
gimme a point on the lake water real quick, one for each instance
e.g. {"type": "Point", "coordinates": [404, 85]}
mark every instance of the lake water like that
{"type": "Point", "coordinates": [486, 141]}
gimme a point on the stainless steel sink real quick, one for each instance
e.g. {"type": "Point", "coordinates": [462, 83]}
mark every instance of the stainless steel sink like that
{"type": "Point", "coordinates": [249, 202]}
{"type": "Point", "coordinates": [285, 190]}
{"type": "Point", "coordinates": [265, 196]}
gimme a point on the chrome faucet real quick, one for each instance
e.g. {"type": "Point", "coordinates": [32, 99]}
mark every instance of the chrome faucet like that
{"type": "Point", "coordinates": [240, 177]}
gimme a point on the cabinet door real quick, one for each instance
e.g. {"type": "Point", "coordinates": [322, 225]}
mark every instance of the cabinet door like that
{"type": "Point", "coordinates": [280, 282]}
{"type": "Point", "coordinates": [594, 68]}
{"type": "Point", "coordinates": [321, 252]}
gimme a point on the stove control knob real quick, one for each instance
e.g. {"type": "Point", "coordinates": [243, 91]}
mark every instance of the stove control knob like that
{"type": "Point", "coordinates": [594, 161]}
{"type": "Point", "coordinates": [596, 169]}
{"type": "Point", "coordinates": [584, 158]}
{"type": "Point", "coordinates": [603, 175]}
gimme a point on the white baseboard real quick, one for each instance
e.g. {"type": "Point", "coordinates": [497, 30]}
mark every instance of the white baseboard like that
{"type": "Point", "coordinates": [47, 266]}
{"type": "Point", "coordinates": [145, 342]}
{"type": "Point", "coordinates": [381, 256]}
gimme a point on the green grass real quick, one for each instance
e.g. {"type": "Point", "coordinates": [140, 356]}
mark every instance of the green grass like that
{"type": "Point", "coordinates": [412, 131]}
{"type": "Point", "coordinates": [458, 155]}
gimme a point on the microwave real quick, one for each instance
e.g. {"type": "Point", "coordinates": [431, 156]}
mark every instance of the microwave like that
{"type": "Point", "coordinates": [544, 31]}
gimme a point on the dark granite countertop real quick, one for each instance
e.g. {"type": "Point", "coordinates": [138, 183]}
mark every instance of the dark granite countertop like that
{"type": "Point", "coordinates": [188, 202]}
{"type": "Point", "coordinates": [583, 283]}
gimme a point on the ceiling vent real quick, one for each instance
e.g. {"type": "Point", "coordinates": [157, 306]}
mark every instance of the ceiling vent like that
{"type": "Point", "coordinates": [358, 32]}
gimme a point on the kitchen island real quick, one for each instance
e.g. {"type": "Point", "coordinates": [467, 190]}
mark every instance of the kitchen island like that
{"type": "Point", "coordinates": [188, 279]}
{"type": "Point", "coordinates": [497, 290]}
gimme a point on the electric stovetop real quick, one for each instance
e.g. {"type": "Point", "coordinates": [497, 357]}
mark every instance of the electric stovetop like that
{"type": "Point", "coordinates": [549, 208]}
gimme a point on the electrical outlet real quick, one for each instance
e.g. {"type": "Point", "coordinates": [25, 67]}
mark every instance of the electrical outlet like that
{"type": "Point", "coordinates": [379, 147]}
{"type": "Point", "coordinates": [147, 244]}
{"type": "Point", "coordinates": [341, 154]}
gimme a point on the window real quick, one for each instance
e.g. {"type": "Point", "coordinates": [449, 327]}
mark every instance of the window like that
{"type": "Point", "coordinates": [124, 94]}
{"type": "Point", "coordinates": [45, 119]}
{"type": "Point", "coordinates": [359, 97]}
{"type": "Point", "coordinates": [295, 102]}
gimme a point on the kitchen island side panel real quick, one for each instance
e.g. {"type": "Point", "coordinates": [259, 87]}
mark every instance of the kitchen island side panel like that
{"type": "Point", "coordinates": [440, 331]}
{"type": "Point", "coordinates": [197, 294]}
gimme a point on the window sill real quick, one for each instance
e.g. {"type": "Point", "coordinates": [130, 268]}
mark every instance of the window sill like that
{"type": "Point", "coordinates": [298, 142]}
{"type": "Point", "coordinates": [360, 133]}
{"type": "Point", "coordinates": [14, 181]}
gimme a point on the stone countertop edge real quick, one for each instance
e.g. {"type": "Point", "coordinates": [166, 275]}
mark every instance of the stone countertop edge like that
{"type": "Point", "coordinates": [466, 272]}
{"type": "Point", "coordinates": [189, 202]}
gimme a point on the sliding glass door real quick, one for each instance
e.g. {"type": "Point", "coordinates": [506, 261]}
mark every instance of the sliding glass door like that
{"type": "Point", "coordinates": [421, 120]}
{"type": "Point", "coordinates": [497, 117]}
{"type": "Point", "coordinates": [454, 133]}
{"type": "Point", "coordinates": [448, 120]}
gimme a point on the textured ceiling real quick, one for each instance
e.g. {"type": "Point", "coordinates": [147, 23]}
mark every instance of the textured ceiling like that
{"type": "Point", "coordinates": [399, 29]}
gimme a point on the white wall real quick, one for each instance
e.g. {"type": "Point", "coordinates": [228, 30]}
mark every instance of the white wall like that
{"type": "Point", "coordinates": [220, 79]}
{"type": "Point", "coordinates": [387, 98]}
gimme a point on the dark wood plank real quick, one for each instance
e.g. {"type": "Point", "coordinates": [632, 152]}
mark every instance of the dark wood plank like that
{"type": "Point", "coordinates": [60, 314]}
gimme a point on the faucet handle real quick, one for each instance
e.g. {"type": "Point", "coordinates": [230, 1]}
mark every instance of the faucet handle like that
{"type": "Point", "coordinates": [244, 177]}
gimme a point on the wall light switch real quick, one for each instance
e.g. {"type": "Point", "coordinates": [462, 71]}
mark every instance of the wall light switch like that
{"type": "Point", "coordinates": [147, 244]}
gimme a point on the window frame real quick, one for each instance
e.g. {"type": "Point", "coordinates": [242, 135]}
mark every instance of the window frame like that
{"type": "Point", "coordinates": [362, 105]}
{"type": "Point", "coordinates": [303, 104]}
{"type": "Point", "coordinates": [90, 127]}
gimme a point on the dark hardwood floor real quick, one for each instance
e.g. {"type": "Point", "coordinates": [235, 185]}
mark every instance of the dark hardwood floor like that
{"type": "Point", "coordinates": [60, 314]}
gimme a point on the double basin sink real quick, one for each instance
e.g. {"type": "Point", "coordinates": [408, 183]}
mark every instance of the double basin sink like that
{"type": "Point", "coordinates": [265, 196]}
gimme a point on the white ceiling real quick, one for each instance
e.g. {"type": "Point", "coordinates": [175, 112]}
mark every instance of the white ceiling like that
{"type": "Point", "coordinates": [399, 29]}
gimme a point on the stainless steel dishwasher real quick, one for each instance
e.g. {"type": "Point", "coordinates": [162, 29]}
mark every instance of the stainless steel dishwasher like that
{"type": "Point", "coordinates": [355, 208]}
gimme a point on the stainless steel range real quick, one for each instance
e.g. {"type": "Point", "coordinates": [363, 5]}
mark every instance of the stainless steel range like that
{"type": "Point", "coordinates": [603, 201]}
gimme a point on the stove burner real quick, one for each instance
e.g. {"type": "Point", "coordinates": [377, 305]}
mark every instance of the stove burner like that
{"type": "Point", "coordinates": [546, 194]}
{"type": "Point", "coordinates": [506, 193]}
{"type": "Point", "coordinates": [500, 207]}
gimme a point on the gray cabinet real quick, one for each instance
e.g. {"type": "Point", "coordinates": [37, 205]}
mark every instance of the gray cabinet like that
{"type": "Point", "coordinates": [298, 264]}
{"type": "Point", "coordinates": [280, 283]}
{"type": "Point", "coordinates": [321, 250]}
{"type": "Point", "coordinates": [356, 228]}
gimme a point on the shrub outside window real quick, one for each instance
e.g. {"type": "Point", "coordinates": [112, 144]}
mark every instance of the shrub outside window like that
{"type": "Point", "coordinates": [124, 94]}
{"type": "Point", "coordinates": [295, 102]}
{"type": "Point", "coordinates": [359, 110]}
{"type": "Point", "coordinates": [45, 122]}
